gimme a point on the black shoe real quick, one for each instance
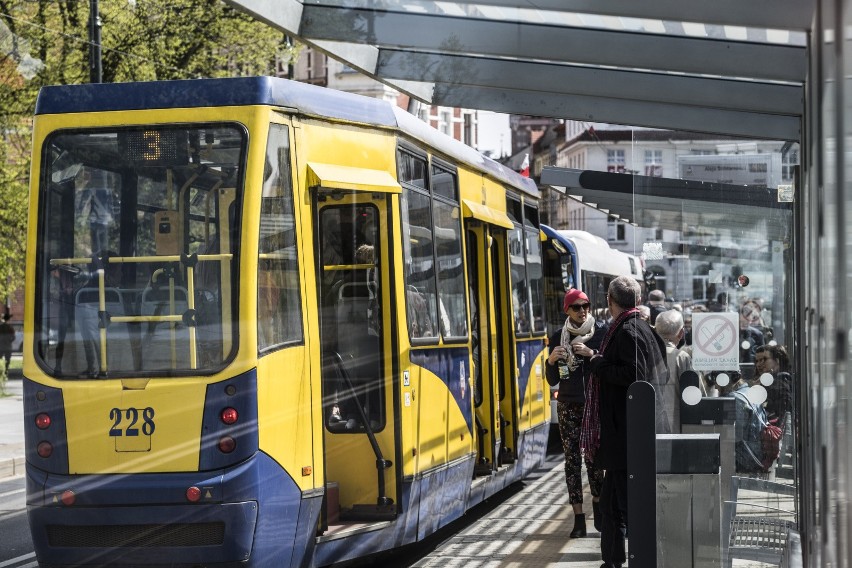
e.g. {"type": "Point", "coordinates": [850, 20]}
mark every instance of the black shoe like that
{"type": "Point", "coordinates": [596, 511]}
{"type": "Point", "coordinates": [579, 526]}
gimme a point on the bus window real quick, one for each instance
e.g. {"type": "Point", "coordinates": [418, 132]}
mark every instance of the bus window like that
{"type": "Point", "coordinates": [279, 313]}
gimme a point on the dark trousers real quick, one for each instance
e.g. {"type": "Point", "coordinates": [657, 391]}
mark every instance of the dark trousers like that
{"type": "Point", "coordinates": [614, 517]}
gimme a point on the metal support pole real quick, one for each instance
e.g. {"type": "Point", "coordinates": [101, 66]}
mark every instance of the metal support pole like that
{"type": "Point", "coordinates": [641, 476]}
{"type": "Point", "coordinates": [95, 69]}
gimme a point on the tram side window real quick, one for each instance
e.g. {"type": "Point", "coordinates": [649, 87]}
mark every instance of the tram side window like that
{"type": "Point", "coordinates": [451, 305]}
{"type": "Point", "coordinates": [554, 288]}
{"type": "Point", "coordinates": [526, 269]}
{"type": "Point", "coordinates": [421, 296]}
{"type": "Point", "coordinates": [279, 313]}
{"type": "Point", "coordinates": [534, 267]}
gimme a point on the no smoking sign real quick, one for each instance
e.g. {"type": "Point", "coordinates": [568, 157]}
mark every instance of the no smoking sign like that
{"type": "Point", "coordinates": [715, 341]}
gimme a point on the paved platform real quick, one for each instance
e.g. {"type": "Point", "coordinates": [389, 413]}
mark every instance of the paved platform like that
{"type": "Point", "coordinates": [530, 529]}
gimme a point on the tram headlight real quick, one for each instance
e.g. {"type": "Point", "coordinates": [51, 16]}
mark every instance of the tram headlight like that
{"type": "Point", "coordinates": [227, 444]}
{"type": "Point", "coordinates": [42, 421]}
{"type": "Point", "coordinates": [44, 449]}
{"type": "Point", "coordinates": [229, 415]}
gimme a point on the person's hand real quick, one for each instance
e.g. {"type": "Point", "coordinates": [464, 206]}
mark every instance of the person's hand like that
{"type": "Point", "coordinates": [582, 350]}
{"type": "Point", "coordinates": [557, 354]}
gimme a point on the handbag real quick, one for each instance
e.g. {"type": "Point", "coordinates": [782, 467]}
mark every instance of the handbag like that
{"type": "Point", "coordinates": [770, 439]}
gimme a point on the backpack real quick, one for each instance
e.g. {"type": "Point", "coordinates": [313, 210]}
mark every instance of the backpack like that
{"type": "Point", "coordinates": [761, 438]}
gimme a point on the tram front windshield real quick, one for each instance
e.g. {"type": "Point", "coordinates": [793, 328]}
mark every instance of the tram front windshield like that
{"type": "Point", "coordinates": [137, 241]}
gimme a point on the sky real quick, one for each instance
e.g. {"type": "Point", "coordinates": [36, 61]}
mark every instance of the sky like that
{"type": "Point", "coordinates": [494, 134]}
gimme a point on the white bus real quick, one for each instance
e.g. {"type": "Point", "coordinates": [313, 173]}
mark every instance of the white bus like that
{"type": "Point", "coordinates": [578, 259]}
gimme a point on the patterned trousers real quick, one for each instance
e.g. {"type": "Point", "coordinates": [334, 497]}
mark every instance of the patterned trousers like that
{"type": "Point", "coordinates": [570, 420]}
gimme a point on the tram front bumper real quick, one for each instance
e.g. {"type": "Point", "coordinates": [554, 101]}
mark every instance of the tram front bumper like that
{"type": "Point", "coordinates": [173, 535]}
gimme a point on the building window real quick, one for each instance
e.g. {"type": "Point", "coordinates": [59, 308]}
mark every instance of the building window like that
{"type": "Point", "coordinates": [659, 277]}
{"type": "Point", "coordinates": [468, 129]}
{"type": "Point", "coordinates": [615, 161]}
{"type": "Point", "coordinates": [616, 232]}
{"type": "Point", "coordinates": [446, 122]}
{"type": "Point", "coordinates": [654, 163]}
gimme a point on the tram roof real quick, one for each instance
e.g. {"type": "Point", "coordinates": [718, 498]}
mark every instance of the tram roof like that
{"type": "Point", "coordinates": [303, 98]}
{"type": "Point", "coordinates": [724, 67]}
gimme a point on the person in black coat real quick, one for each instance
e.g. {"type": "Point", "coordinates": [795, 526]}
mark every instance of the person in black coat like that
{"type": "Point", "coordinates": [773, 359]}
{"type": "Point", "coordinates": [570, 373]}
{"type": "Point", "coordinates": [630, 351]}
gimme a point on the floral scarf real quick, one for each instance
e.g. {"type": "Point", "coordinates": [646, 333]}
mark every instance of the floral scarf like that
{"type": "Point", "coordinates": [590, 433]}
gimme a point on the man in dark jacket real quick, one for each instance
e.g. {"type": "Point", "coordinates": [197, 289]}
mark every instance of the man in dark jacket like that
{"type": "Point", "coordinates": [630, 351]}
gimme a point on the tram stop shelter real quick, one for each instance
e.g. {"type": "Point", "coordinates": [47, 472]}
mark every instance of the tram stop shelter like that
{"type": "Point", "coordinates": [760, 69]}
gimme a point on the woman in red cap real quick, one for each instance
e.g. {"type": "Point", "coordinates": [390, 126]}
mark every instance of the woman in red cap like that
{"type": "Point", "coordinates": [570, 372]}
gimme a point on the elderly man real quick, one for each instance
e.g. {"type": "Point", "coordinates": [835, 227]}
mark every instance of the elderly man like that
{"type": "Point", "coordinates": [670, 328]}
{"type": "Point", "coordinates": [629, 352]}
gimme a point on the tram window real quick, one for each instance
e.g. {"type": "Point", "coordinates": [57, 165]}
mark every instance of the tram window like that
{"type": "Point", "coordinates": [412, 169]}
{"type": "Point", "coordinates": [451, 307]}
{"type": "Point", "coordinates": [554, 289]}
{"type": "Point", "coordinates": [520, 294]}
{"type": "Point", "coordinates": [146, 210]}
{"type": "Point", "coordinates": [536, 279]}
{"type": "Point", "coordinates": [420, 293]}
{"type": "Point", "coordinates": [444, 184]}
{"type": "Point", "coordinates": [530, 216]}
{"type": "Point", "coordinates": [513, 209]}
{"type": "Point", "coordinates": [279, 313]}
{"type": "Point", "coordinates": [351, 318]}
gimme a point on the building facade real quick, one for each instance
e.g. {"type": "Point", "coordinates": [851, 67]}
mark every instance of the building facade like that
{"type": "Point", "coordinates": [679, 260]}
{"type": "Point", "coordinates": [317, 68]}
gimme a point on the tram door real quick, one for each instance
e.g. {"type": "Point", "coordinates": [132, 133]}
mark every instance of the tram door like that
{"type": "Point", "coordinates": [358, 410]}
{"type": "Point", "coordinates": [488, 323]}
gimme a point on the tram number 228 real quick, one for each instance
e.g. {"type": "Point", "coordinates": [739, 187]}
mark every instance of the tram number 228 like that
{"type": "Point", "coordinates": [132, 417]}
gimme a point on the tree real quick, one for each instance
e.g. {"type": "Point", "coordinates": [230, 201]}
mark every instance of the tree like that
{"type": "Point", "coordinates": [45, 42]}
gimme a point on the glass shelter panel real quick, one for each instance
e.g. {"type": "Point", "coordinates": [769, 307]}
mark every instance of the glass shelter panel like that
{"type": "Point", "coordinates": [137, 250]}
{"type": "Point", "coordinates": [721, 254]}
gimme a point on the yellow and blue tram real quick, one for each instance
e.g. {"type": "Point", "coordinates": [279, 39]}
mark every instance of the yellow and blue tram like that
{"type": "Point", "coordinates": [269, 323]}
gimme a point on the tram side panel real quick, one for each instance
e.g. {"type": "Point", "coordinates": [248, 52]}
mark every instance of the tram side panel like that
{"type": "Point", "coordinates": [288, 386]}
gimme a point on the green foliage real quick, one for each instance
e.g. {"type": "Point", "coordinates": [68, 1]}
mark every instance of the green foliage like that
{"type": "Point", "coordinates": [45, 42]}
